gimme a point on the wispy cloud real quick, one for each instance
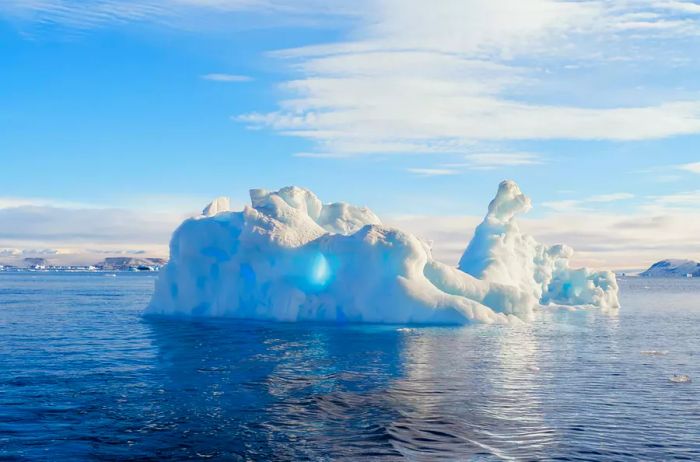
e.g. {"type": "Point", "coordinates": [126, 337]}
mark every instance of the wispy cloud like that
{"type": "Point", "coordinates": [610, 197]}
{"type": "Point", "coordinates": [71, 232]}
{"type": "Point", "coordinates": [11, 202]}
{"type": "Point", "coordinates": [680, 6]}
{"type": "Point", "coordinates": [685, 199]}
{"type": "Point", "coordinates": [693, 167]}
{"type": "Point", "coordinates": [413, 79]}
{"type": "Point", "coordinates": [569, 205]}
{"type": "Point", "coordinates": [432, 171]}
{"type": "Point", "coordinates": [77, 232]}
{"type": "Point", "coordinates": [493, 160]}
{"type": "Point", "coordinates": [320, 155]}
{"type": "Point", "coordinates": [227, 78]}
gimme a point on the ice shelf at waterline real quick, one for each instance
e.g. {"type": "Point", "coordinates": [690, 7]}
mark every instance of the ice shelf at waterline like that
{"type": "Point", "coordinates": [290, 257]}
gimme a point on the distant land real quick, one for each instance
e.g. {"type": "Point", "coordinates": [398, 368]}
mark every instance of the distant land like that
{"type": "Point", "coordinates": [108, 264]}
{"type": "Point", "coordinates": [672, 268]}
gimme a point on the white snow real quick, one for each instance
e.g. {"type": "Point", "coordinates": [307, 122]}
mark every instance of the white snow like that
{"type": "Point", "coordinates": [290, 257]}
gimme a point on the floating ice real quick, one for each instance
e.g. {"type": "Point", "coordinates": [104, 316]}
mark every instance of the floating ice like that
{"type": "Point", "coordinates": [680, 378]}
{"type": "Point", "coordinates": [654, 352]}
{"type": "Point", "coordinates": [290, 257]}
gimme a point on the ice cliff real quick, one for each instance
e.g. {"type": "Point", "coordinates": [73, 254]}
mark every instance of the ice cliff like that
{"type": "Point", "coordinates": [289, 257]}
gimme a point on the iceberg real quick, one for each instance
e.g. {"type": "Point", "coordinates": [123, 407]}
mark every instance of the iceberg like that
{"type": "Point", "coordinates": [290, 257]}
{"type": "Point", "coordinates": [500, 252]}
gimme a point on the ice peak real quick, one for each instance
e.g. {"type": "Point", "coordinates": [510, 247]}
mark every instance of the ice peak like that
{"type": "Point", "coordinates": [218, 205]}
{"type": "Point", "coordinates": [509, 201]}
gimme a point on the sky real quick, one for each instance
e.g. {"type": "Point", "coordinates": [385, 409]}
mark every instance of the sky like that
{"type": "Point", "coordinates": [119, 118]}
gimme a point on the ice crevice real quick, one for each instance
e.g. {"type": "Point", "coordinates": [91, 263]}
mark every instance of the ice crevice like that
{"type": "Point", "coordinates": [290, 257]}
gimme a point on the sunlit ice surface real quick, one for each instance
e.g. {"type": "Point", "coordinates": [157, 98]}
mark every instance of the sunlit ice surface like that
{"type": "Point", "coordinates": [83, 376]}
{"type": "Point", "coordinates": [290, 257]}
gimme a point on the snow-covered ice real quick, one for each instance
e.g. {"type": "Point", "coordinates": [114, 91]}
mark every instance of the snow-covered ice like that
{"type": "Point", "coordinates": [500, 252]}
{"type": "Point", "coordinates": [680, 378]}
{"type": "Point", "coordinates": [289, 257]}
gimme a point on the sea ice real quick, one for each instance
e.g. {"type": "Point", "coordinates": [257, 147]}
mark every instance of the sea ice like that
{"type": "Point", "coordinates": [654, 352]}
{"type": "Point", "coordinates": [680, 378]}
{"type": "Point", "coordinates": [289, 257]}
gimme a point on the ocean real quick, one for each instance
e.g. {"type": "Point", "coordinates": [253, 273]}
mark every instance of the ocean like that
{"type": "Point", "coordinates": [83, 376]}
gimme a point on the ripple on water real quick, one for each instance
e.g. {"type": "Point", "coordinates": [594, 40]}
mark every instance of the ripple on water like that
{"type": "Point", "coordinates": [84, 377]}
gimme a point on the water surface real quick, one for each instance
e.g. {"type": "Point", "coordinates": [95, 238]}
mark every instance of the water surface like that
{"type": "Point", "coordinates": [84, 377]}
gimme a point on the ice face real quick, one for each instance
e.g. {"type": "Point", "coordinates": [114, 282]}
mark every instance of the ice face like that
{"type": "Point", "coordinates": [290, 257]}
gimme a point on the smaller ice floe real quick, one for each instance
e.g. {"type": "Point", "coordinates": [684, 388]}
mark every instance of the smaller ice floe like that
{"type": "Point", "coordinates": [404, 329]}
{"type": "Point", "coordinates": [654, 352]}
{"type": "Point", "coordinates": [533, 368]}
{"type": "Point", "coordinates": [680, 378]}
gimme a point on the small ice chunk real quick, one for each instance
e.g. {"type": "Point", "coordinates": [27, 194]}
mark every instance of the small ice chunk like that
{"type": "Point", "coordinates": [654, 352]}
{"type": "Point", "coordinates": [680, 378]}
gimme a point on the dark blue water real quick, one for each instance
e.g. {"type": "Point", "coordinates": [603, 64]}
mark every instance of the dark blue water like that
{"type": "Point", "coordinates": [84, 377]}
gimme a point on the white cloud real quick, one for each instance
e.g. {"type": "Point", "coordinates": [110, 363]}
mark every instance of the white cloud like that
{"type": "Point", "coordinates": [7, 202]}
{"type": "Point", "coordinates": [227, 77]}
{"type": "Point", "coordinates": [74, 235]}
{"type": "Point", "coordinates": [569, 205]}
{"type": "Point", "coordinates": [614, 197]}
{"type": "Point", "coordinates": [432, 171]}
{"type": "Point", "coordinates": [10, 252]}
{"type": "Point", "coordinates": [563, 205]}
{"type": "Point", "coordinates": [693, 167]}
{"type": "Point", "coordinates": [686, 199]}
{"type": "Point", "coordinates": [76, 232]}
{"type": "Point", "coordinates": [492, 160]}
{"type": "Point", "coordinates": [417, 78]}
{"type": "Point", "coordinates": [679, 6]}
{"type": "Point", "coordinates": [414, 79]}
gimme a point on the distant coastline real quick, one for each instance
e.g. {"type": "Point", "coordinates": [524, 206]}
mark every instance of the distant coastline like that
{"type": "Point", "coordinates": [108, 265]}
{"type": "Point", "coordinates": [673, 268]}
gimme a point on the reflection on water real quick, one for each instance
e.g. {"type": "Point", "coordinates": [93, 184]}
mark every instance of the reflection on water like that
{"type": "Point", "coordinates": [84, 377]}
{"type": "Point", "coordinates": [277, 389]}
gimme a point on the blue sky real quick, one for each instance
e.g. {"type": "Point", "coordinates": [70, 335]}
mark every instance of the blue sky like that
{"type": "Point", "coordinates": [133, 114]}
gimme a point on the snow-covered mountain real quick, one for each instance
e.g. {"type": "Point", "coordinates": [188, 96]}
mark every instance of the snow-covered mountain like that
{"type": "Point", "coordinates": [672, 268]}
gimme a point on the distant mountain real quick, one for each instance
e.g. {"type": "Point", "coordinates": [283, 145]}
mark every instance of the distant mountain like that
{"type": "Point", "coordinates": [34, 263]}
{"type": "Point", "coordinates": [672, 268]}
{"type": "Point", "coordinates": [129, 263]}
